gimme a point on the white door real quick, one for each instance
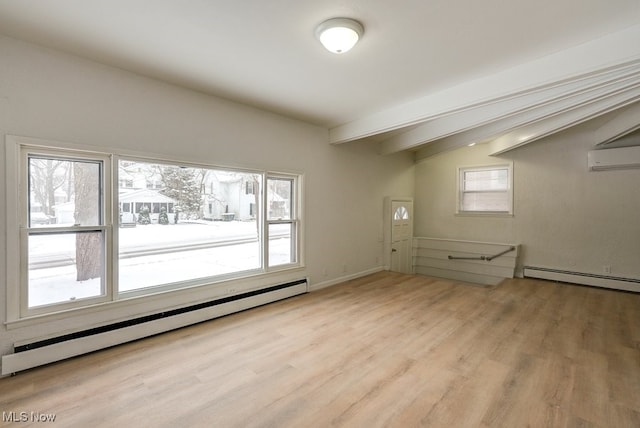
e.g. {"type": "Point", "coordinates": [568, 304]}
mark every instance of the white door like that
{"type": "Point", "coordinates": [401, 236]}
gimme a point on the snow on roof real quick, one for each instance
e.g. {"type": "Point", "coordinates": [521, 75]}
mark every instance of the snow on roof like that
{"type": "Point", "coordinates": [145, 195]}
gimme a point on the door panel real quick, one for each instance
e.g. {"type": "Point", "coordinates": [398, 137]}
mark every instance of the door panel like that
{"type": "Point", "coordinates": [401, 236]}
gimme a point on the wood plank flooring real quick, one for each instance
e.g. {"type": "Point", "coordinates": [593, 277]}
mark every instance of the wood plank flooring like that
{"type": "Point", "coordinates": [387, 350]}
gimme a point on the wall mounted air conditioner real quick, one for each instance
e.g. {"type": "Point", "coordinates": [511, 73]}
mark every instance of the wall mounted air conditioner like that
{"type": "Point", "coordinates": [620, 158]}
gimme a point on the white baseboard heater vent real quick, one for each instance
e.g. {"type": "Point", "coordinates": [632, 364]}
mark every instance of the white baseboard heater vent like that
{"type": "Point", "coordinates": [604, 281]}
{"type": "Point", "coordinates": [49, 350]}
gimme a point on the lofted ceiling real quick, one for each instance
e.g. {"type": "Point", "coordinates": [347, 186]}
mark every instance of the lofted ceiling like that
{"type": "Point", "coordinates": [427, 76]}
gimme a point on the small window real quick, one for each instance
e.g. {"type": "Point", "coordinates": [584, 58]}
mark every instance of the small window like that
{"type": "Point", "coordinates": [485, 190]}
{"type": "Point", "coordinates": [151, 185]}
{"type": "Point", "coordinates": [250, 188]}
{"type": "Point", "coordinates": [126, 183]}
{"type": "Point", "coordinates": [401, 214]}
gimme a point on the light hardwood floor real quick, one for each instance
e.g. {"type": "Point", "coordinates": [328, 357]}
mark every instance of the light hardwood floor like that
{"type": "Point", "coordinates": [385, 350]}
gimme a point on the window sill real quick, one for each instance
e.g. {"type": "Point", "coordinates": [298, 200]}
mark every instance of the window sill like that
{"type": "Point", "coordinates": [484, 214]}
{"type": "Point", "coordinates": [118, 310]}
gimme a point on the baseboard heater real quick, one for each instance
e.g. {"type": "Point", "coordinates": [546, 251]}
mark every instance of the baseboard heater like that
{"type": "Point", "coordinates": [604, 281]}
{"type": "Point", "coordinates": [49, 350]}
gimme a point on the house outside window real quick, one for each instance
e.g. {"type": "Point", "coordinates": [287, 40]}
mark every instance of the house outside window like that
{"type": "Point", "coordinates": [123, 243]}
{"type": "Point", "coordinates": [250, 188]}
{"type": "Point", "coordinates": [125, 183]}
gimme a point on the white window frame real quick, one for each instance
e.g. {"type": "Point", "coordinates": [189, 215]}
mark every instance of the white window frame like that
{"type": "Point", "coordinates": [17, 231]}
{"type": "Point", "coordinates": [461, 190]}
{"type": "Point", "coordinates": [293, 219]}
{"type": "Point", "coordinates": [26, 231]}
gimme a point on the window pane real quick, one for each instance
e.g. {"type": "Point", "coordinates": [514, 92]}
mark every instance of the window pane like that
{"type": "Point", "coordinates": [198, 223]}
{"type": "Point", "coordinates": [64, 192]}
{"type": "Point", "coordinates": [485, 189]}
{"type": "Point", "coordinates": [401, 213]}
{"type": "Point", "coordinates": [64, 267]}
{"type": "Point", "coordinates": [186, 251]}
{"type": "Point", "coordinates": [495, 179]}
{"type": "Point", "coordinates": [279, 199]}
{"type": "Point", "coordinates": [282, 244]}
{"type": "Point", "coordinates": [486, 201]}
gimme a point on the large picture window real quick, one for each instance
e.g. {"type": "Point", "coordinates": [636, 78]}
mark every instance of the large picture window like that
{"type": "Point", "coordinates": [95, 231]}
{"type": "Point", "coordinates": [198, 223]}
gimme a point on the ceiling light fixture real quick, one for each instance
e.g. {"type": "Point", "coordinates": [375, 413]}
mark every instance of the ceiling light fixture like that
{"type": "Point", "coordinates": [339, 35]}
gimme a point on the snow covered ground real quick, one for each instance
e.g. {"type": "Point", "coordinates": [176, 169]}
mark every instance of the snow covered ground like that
{"type": "Point", "coordinates": [153, 255]}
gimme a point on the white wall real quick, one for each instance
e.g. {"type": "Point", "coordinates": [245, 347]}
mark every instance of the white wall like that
{"type": "Point", "coordinates": [51, 95]}
{"type": "Point", "coordinates": [565, 217]}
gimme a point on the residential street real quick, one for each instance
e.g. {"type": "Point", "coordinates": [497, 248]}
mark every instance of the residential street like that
{"type": "Point", "coordinates": [153, 255]}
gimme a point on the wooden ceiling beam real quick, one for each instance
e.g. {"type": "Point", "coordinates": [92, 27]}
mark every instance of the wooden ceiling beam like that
{"type": "Point", "coordinates": [521, 109]}
{"type": "Point", "coordinates": [612, 51]}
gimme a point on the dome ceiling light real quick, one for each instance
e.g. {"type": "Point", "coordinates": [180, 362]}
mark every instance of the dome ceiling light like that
{"type": "Point", "coordinates": [339, 35]}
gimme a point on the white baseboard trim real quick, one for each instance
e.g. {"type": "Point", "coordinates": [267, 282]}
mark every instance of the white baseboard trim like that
{"type": "Point", "coordinates": [68, 347]}
{"type": "Point", "coordinates": [325, 284]}
{"type": "Point", "coordinates": [582, 278]}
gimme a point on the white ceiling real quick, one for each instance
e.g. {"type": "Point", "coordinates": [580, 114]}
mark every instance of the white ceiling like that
{"type": "Point", "coordinates": [418, 63]}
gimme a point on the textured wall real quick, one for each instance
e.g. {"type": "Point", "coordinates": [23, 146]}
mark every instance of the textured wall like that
{"type": "Point", "coordinates": [565, 216]}
{"type": "Point", "coordinates": [51, 95]}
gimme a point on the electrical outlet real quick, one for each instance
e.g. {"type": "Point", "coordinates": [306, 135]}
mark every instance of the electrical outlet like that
{"type": "Point", "coordinates": [344, 268]}
{"type": "Point", "coordinates": [606, 269]}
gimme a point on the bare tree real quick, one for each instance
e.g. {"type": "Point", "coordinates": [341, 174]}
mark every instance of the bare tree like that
{"type": "Point", "coordinates": [47, 176]}
{"type": "Point", "coordinates": [255, 180]}
{"type": "Point", "coordinates": [87, 213]}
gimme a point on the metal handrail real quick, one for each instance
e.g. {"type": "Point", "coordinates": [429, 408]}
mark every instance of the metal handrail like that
{"type": "Point", "coordinates": [487, 258]}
